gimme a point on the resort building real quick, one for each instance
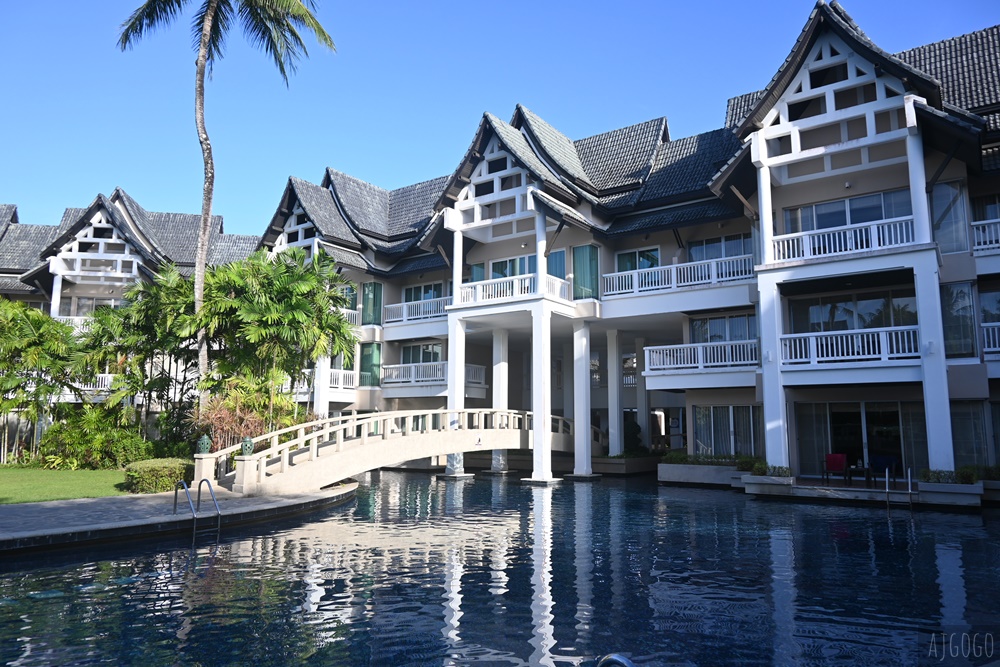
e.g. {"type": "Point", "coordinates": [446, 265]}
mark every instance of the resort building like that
{"type": "Point", "coordinates": [819, 274]}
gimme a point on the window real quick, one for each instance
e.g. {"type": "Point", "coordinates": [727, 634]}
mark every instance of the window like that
{"type": "Point", "coordinates": [734, 245]}
{"type": "Point", "coordinates": [515, 266]}
{"type": "Point", "coordinates": [585, 272]}
{"type": "Point", "coordinates": [556, 264]}
{"type": "Point", "coordinates": [948, 219]}
{"type": "Point", "coordinates": [853, 211]}
{"type": "Point", "coordinates": [631, 260]}
{"type": "Point", "coordinates": [724, 328]}
{"type": "Point", "coordinates": [350, 294]}
{"type": "Point", "coordinates": [828, 75]}
{"type": "Point", "coordinates": [493, 166]}
{"type": "Point", "coordinates": [842, 312]}
{"type": "Point", "coordinates": [958, 319]}
{"type": "Point", "coordinates": [721, 430]}
{"type": "Point", "coordinates": [477, 272]}
{"type": "Point", "coordinates": [425, 353]}
{"type": "Point", "coordinates": [371, 364]}
{"type": "Point", "coordinates": [968, 434]}
{"type": "Point", "coordinates": [986, 208]}
{"type": "Point", "coordinates": [423, 292]}
{"type": "Point", "coordinates": [371, 306]}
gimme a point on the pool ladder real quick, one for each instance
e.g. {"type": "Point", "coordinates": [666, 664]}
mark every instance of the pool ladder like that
{"type": "Point", "coordinates": [615, 660]}
{"type": "Point", "coordinates": [197, 508]}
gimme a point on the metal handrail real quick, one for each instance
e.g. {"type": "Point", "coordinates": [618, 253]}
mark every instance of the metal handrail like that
{"type": "Point", "coordinates": [615, 660]}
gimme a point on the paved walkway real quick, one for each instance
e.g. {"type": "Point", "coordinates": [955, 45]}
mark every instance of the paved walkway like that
{"type": "Point", "coordinates": [64, 522]}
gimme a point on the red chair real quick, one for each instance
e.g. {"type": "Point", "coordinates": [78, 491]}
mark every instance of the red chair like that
{"type": "Point", "coordinates": [835, 464]}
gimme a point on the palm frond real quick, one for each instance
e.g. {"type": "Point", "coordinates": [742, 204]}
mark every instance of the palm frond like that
{"type": "Point", "coordinates": [151, 15]}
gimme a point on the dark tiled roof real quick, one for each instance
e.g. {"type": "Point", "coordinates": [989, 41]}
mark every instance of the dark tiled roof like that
{"type": "Point", "coordinates": [70, 216]}
{"type": "Point", "coordinates": [621, 157]}
{"type": "Point", "coordinates": [174, 235]}
{"type": "Point", "coordinates": [22, 245]}
{"type": "Point", "coordinates": [228, 248]}
{"type": "Point", "coordinates": [556, 145]}
{"type": "Point", "coordinates": [8, 214]}
{"type": "Point", "coordinates": [322, 210]}
{"type": "Point", "coordinates": [678, 216]}
{"type": "Point", "coordinates": [568, 213]}
{"type": "Point", "coordinates": [365, 204]}
{"type": "Point", "coordinates": [739, 107]}
{"type": "Point", "coordinates": [346, 258]}
{"type": "Point", "coordinates": [411, 207]}
{"type": "Point", "coordinates": [13, 285]}
{"type": "Point", "coordinates": [515, 142]}
{"type": "Point", "coordinates": [429, 262]}
{"type": "Point", "coordinates": [991, 159]}
{"type": "Point", "coordinates": [685, 166]}
{"type": "Point", "coordinates": [968, 67]}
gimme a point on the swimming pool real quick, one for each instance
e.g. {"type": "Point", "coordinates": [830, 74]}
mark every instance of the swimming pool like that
{"type": "Point", "coordinates": [490, 572]}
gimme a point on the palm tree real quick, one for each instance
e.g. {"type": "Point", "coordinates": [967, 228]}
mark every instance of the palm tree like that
{"type": "Point", "coordinates": [272, 25]}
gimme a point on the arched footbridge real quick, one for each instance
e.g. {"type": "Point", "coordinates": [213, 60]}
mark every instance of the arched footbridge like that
{"type": "Point", "coordinates": [307, 457]}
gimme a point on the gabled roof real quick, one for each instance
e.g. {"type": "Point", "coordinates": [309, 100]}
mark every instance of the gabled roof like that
{"type": "Point", "coordinates": [67, 232]}
{"type": "Point", "coordinates": [173, 235]}
{"type": "Point", "coordinates": [676, 216]}
{"type": "Point", "coordinates": [557, 147]}
{"type": "Point", "coordinates": [228, 248]}
{"type": "Point", "coordinates": [8, 215]}
{"type": "Point", "coordinates": [739, 107]}
{"type": "Point", "coordinates": [21, 246]}
{"type": "Point", "coordinates": [620, 160]}
{"type": "Point", "coordinates": [411, 207]}
{"type": "Point", "coordinates": [684, 167]}
{"type": "Point", "coordinates": [833, 17]}
{"type": "Point", "coordinates": [322, 211]}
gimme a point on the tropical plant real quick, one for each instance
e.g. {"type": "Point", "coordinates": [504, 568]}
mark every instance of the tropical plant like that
{"type": "Point", "coordinates": [35, 368]}
{"type": "Point", "coordinates": [96, 436]}
{"type": "Point", "coordinates": [272, 25]}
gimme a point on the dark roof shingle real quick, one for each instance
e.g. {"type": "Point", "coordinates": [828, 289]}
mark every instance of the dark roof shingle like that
{"type": "Point", "coordinates": [685, 166]}
{"type": "Point", "coordinates": [22, 245]}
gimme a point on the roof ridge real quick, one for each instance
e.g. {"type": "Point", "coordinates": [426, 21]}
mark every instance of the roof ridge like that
{"type": "Point", "coordinates": [619, 129]}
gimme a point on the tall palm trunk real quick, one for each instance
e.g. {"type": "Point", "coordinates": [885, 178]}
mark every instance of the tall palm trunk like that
{"type": "Point", "coordinates": [204, 228]}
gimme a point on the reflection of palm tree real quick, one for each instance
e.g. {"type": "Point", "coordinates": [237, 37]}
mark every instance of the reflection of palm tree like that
{"type": "Point", "coordinates": [890, 313]}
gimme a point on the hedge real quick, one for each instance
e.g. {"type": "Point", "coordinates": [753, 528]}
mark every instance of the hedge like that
{"type": "Point", "coordinates": [157, 475]}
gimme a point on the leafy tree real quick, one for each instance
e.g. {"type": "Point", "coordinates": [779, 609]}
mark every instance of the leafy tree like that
{"type": "Point", "coordinates": [35, 367]}
{"type": "Point", "coordinates": [271, 25]}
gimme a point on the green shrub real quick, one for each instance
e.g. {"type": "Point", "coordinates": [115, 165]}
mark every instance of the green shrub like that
{"type": "Point", "coordinates": [964, 475]}
{"type": "Point", "coordinates": [990, 473]}
{"type": "Point", "coordinates": [967, 475]}
{"type": "Point", "coordinates": [675, 456]}
{"type": "Point", "coordinates": [779, 471]}
{"type": "Point", "coordinates": [94, 440]}
{"type": "Point", "coordinates": [759, 468]}
{"type": "Point", "coordinates": [746, 463]}
{"type": "Point", "coordinates": [157, 475]}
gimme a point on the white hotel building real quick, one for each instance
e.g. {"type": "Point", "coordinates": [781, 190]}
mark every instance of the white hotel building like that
{"type": "Point", "coordinates": [821, 274]}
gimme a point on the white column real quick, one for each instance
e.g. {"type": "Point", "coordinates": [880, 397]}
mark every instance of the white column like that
{"type": "Point", "coordinates": [456, 386]}
{"type": "Point", "coordinates": [541, 261]}
{"type": "Point", "coordinates": [321, 387]}
{"type": "Point", "coordinates": [615, 427]}
{"type": "Point", "coordinates": [541, 392]}
{"type": "Point", "coordinates": [456, 266]}
{"type": "Point", "coordinates": [641, 397]}
{"type": "Point", "coordinates": [56, 295]}
{"type": "Point", "coordinates": [937, 403]}
{"type": "Point", "coordinates": [581, 398]}
{"type": "Point", "coordinates": [569, 411]}
{"type": "Point", "coordinates": [775, 409]}
{"type": "Point", "coordinates": [918, 187]}
{"type": "Point", "coordinates": [758, 153]}
{"type": "Point", "coordinates": [501, 392]}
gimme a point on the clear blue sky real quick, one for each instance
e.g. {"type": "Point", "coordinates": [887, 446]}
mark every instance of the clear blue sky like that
{"type": "Point", "coordinates": [400, 100]}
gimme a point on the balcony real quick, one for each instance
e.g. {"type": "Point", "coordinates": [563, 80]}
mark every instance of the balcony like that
{"type": "Point", "coordinates": [429, 373]}
{"type": "Point", "coordinates": [986, 237]}
{"type": "Point", "coordinates": [703, 356]}
{"type": "Point", "coordinates": [894, 233]}
{"type": "Point", "coordinates": [342, 379]}
{"type": "Point", "coordinates": [514, 287]}
{"type": "Point", "coordinates": [80, 324]}
{"type": "Point", "coordinates": [416, 311]}
{"type": "Point", "coordinates": [353, 316]}
{"type": "Point", "coordinates": [867, 346]}
{"type": "Point", "coordinates": [673, 276]}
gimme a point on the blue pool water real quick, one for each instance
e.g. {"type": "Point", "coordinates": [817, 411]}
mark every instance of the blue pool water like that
{"type": "Point", "coordinates": [490, 572]}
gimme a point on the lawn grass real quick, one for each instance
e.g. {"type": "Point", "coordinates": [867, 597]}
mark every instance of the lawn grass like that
{"type": "Point", "coordinates": [30, 485]}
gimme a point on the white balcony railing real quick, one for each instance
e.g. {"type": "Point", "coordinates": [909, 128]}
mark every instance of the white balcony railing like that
{"type": "Point", "coordinates": [557, 287]}
{"type": "Point", "coordinates": [80, 324]}
{"type": "Point", "coordinates": [100, 383]}
{"type": "Point", "coordinates": [500, 289]}
{"type": "Point", "coordinates": [841, 240]}
{"type": "Point", "coordinates": [353, 317]}
{"type": "Point", "coordinates": [986, 237]}
{"type": "Point", "coordinates": [700, 356]}
{"type": "Point", "coordinates": [991, 338]}
{"type": "Point", "coordinates": [672, 276]}
{"type": "Point", "coordinates": [430, 373]}
{"type": "Point", "coordinates": [858, 345]}
{"type": "Point", "coordinates": [343, 379]}
{"type": "Point", "coordinates": [416, 310]}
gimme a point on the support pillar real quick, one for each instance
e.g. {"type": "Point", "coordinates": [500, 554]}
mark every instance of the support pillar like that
{"type": "Point", "coordinates": [56, 295]}
{"type": "Point", "coordinates": [541, 394]}
{"type": "Point", "coordinates": [616, 444]}
{"type": "Point", "coordinates": [775, 405]}
{"type": "Point", "coordinates": [937, 403]}
{"type": "Point", "coordinates": [455, 467]}
{"type": "Point", "coordinates": [568, 386]}
{"type": "Point", "coordinates": [321, 387]}
{"type": "Point", "coordinates": [581, 401]}
{"type": "Point", "coordinates": [918, 176]}
{"type": "Point", "coordinates": [501, 392]}
{"type": "Point", "coordinates": [641, 397]}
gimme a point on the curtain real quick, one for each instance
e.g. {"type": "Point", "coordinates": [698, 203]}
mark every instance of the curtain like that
{"type": "Point", "coordinates": [371, 307]}
{"type": "Point", "coordinates": [813, 426]}
{"type": "Point", "coordinates": [585, 276]}
{"type": "Point", "coordinates": [371, 364]}
{"type": "Point", "coordinates": [914, 436]}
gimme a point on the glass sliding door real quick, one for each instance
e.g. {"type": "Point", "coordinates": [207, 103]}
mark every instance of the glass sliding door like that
{"type": "Point", "coordinates": [812, 421]}
{"type": "Point", "coordinates": [585, 274]}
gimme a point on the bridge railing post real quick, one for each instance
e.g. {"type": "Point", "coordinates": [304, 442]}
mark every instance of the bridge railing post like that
{"type": "Point", "coordinates": [338, 438]}
{"type": "Point", "coordinates": [283, 466]}
{"type": "Point", "coordinates": [385, 428]}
